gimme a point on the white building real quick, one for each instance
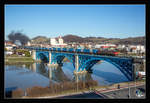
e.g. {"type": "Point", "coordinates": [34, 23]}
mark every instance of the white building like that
{"type": "Point", "coordinates": [121, 46]}
{"type": "Point", "coordinates": [8, 52]}
{"type": "Point", "coordinates": [105, 45]}
{"type": "Point", "coordinates": [28, 43]}
{"type": "Point", "coordinates": [57, 42]}
{"type": "Point", "coordinates": [53, 41]}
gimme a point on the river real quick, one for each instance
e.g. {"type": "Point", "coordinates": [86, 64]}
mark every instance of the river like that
{"type": "Point", "coordinates": [38, 74]}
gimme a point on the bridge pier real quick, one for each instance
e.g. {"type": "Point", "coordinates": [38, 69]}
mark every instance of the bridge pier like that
{"type": "Point", "coordinates": [50, 64]}
{"type": "Point", "coordinates": [77, 71]}
{"type": "Point", "coordinates": [34, 54]}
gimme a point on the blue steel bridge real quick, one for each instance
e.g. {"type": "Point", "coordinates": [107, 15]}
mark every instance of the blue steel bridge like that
{"type": "Point", "coordinates": [81, 61]}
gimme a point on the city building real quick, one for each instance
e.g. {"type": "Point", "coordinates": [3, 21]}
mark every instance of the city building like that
{"type": "Point", "coordinates": [104, 46]}
{"type": "Point", "coordinates": [57, 42]}
{"type": "Point", "coordinates": [28, 43]}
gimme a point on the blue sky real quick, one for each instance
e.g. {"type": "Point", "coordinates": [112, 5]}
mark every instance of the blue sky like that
{"type": "Point", "coordinates": [110, 21]}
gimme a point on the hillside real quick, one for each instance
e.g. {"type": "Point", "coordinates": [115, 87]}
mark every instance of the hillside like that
{"type": "Point", "coordinates": [134, 40]}
{"type": "Point", "coordinates": [40, 39]}
{"type": "Point", "coordinates": [73, 38]}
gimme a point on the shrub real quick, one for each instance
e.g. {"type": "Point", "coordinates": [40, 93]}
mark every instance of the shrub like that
{"type": "Point", "coordinates": [17, 93]}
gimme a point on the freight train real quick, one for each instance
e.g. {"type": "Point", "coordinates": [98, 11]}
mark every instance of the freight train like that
{"type": "Point", "coordinates": [87, 51]}
{"type": "Point", "coordinates": [82, 51]}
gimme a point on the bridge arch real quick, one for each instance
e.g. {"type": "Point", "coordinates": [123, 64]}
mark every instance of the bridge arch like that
{"type": "Point", "coordinates": [43, 56]}
{"type": "Point", "coordinates": [121, 65]}
{"type": "Point", "coordinates": [58, 58]}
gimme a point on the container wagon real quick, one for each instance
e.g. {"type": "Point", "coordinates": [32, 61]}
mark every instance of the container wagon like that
{"type": "Point", "coordinates": [94, 51]}
{"type": "Point", "coordinates": [59, 49]}
{"type": "Point", "coordinates": [87, 51]}
{"type": "Point", "coordinates": [54, 49]}
{"type": "Point", "coordinates": [71, 50]}
{"type": "Point", "coordinates": [64, 49]}
{"type": "Point", "coordinates": [78, 50]}
{"type": "Point", "coordinates": [50, 49]}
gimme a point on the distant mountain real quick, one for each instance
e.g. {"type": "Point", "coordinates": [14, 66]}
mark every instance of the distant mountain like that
{"type": "Point", "coordinates": [72, 38]}
{"type": "Point", "coordinates": [40, 39]}
{"type": "Point", "coordinates": [97, 40]}
{"type": "Point", "coordinates": [133, 40]}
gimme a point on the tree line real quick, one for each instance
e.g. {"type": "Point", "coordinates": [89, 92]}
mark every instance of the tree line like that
{"type": "Point", "coordinates": [55, 89]}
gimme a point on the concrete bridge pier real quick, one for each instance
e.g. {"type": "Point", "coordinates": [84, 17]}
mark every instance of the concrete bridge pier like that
{"type": "Point", "coordinates": [34, 54]}
{"type": "Point", "coordinates": [77, 65]}
{"type": "Point", "coordinates": [50, 64]}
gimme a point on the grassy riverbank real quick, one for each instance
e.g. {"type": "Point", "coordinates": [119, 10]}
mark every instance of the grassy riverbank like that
{"type": "Point", "coordinates": [19, 59]}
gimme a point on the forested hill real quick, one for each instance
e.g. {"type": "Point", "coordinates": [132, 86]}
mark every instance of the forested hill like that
{"type": "Point", "coordinates": [133, 40]}
{"type": "Point", "coordinates": [73, 38]}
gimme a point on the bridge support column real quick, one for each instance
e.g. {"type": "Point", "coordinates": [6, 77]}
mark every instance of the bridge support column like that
{"type": "Point", "coordinates": [50, 58]}
{"type": "Point", "coordinates": [76, 63]}
{"type": "Point", "coordinates": [76, 71]}
{"type": "Point", "coordinates": [50, 64]}
{"type": "Point", "coordinates": [33, 54]}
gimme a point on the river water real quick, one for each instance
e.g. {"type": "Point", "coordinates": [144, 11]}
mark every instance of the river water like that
{"type": "Point", "coordinates": [38, 74]}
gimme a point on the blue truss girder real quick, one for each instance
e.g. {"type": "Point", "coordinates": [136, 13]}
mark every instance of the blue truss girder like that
{"type": "Point", "coordinates": [60, 56]}
{"type": "Point", "coordinates": [88, 61]}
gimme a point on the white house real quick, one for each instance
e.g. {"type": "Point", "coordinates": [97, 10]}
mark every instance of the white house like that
{"type": "Point", "coordinates": [57, 42]}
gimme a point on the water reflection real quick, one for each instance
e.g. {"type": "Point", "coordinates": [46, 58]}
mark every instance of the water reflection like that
{"type": "Point", "coordinates": [40, 74]}
{"type": "Point", "coordinates": [57, 74]}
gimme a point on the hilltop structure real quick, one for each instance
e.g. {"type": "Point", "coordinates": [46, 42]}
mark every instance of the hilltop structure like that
{"type": "Point", "coordinates": [57, 42]}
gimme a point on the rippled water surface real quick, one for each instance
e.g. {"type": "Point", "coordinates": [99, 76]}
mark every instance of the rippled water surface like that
{"type": "Point", "coordinates": [38, 74]}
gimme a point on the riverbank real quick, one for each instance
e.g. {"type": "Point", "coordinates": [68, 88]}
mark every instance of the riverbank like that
{"type": "Point", "coordinates": [101, 89]}
{"type": "Point", "coordinates": [19, 59]}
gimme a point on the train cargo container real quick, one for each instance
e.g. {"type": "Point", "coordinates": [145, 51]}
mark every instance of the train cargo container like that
{"type": "Point", "coordinates": [54, 49]}
{"type": "Point", "coordinates": [59, 49]}
{"type": "Point", "coordinates": [71, 50]}
{"type": "Point", "coordinates": [50, 49]}
{"type": "Point", "coordinates": [64, 49]}
{"type": "Point", "coordinates": [116, 53]}
{"type": "Point", "coordinates": [78, 50]}
{"type": "Point", "coordinates": [86, 50]}
{"type": "Point", "coordinates": [94, 51]}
